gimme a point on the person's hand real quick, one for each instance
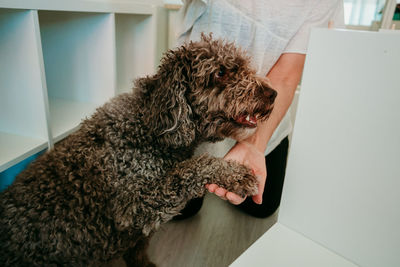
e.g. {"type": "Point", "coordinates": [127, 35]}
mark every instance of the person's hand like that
{"type": "Point", "coordinates": [247, 154]}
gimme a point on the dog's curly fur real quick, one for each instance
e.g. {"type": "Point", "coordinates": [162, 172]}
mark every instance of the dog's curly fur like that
{"type": "Point", "coordinates": [102, 191]}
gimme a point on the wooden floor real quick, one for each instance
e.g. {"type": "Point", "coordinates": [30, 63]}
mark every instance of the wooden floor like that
{"type": "Point", "coordinates": [214, 237]}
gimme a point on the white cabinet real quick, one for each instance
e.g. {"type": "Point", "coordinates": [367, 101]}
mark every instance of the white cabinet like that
{"type": "Point", "coordinates": [59, 60]}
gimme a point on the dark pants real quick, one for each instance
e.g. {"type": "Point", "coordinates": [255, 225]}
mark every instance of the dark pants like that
{"type": "Point", "coordinates": [276, 168]}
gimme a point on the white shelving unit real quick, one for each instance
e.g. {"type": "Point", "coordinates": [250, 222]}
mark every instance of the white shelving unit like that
{"type": "Point", "coordinates": [62, 59]}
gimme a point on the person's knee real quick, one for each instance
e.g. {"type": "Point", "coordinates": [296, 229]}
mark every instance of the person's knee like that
{"type": "Point", "coordinates": [263, 210]}
{"type": "Point", "coordinates": [265, 213]}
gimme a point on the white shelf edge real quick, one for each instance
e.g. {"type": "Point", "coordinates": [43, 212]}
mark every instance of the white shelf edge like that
{"type": "Point", "coordinates": [114, 53]}
{"type": "Point", "coordinates": [22, 147]}
{"type": "Point", "coordinates": [35, 17]}
{"type": "Point", "coordinates": [81, 6]}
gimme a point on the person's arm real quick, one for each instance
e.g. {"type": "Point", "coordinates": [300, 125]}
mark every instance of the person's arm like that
{"type": "Point", "coordinates": [284, 77]}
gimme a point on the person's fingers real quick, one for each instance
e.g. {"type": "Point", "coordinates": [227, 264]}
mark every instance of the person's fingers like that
{"type": "Point", "coordinates": [234, 199]}
{"type": "Point", "coordinates": [211, 188]}
{"type": "Point", "coordinates": [221, 192]}
{"type": "Point", "coordinates": [259, 197]}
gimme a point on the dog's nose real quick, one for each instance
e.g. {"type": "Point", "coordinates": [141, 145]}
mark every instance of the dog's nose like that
{"type": "Point", "coordinates": [272, 94]}
{"type": "Point", "coordinates": [268, 93]}
{"type": "Point", "coordinates": [265, 91]}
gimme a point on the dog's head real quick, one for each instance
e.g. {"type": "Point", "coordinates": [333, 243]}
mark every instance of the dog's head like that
{"type": "Point", "coordinates": [207, 90]}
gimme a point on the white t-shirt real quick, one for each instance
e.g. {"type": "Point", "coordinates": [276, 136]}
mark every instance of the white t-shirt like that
{"type": "Point", "coordinates": [265, 29]}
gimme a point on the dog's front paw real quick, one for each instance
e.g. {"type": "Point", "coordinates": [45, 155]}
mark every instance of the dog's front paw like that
{"type": "Point", "coordinates": [240, 180]}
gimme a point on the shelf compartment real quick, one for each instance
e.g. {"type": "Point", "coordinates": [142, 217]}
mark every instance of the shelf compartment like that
{"type": "Point", "coordinates": [140, 41]}
{"type": "Point", "coordinates": [79, 59]}
{"type": "Point", "coordinates": [134, 46]}
{"type": "Point", "coordinates": [66, 115]}
{"type": "Point", "coordinates": [23, 121]}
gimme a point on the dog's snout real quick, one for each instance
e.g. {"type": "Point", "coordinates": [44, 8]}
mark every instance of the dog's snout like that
{"type": "Point", "coordinates": [266, 92]}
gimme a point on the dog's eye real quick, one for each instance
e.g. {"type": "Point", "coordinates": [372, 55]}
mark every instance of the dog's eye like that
{"type": "Point", "coordinates": [221, 73]}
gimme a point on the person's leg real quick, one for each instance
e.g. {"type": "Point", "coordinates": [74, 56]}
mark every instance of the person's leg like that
{"type": "Point", "coordinates": [276, 167]}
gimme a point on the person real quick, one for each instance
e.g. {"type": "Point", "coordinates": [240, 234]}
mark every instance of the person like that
{"type": "Point", "coordinates": [275, 34]}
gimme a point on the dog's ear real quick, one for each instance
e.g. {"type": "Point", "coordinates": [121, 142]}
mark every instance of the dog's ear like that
{"type": "Point", "coordinates": [169, 115]}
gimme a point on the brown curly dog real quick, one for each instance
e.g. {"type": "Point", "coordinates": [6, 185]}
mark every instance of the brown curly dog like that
{"type": "Point", "coordinates": [101, 192]}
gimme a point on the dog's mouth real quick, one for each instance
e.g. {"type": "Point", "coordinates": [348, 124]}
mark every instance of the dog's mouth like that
{"type": "Point", "coordinates": [247, 121]}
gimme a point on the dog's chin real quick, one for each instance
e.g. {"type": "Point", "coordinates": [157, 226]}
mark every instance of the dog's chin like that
{"type": "Point", "coordinates": [232, 129]}
{"type": "Point", "coordinates": [243, 133]}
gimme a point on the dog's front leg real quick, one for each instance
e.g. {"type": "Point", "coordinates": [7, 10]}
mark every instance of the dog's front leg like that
{"type": "Point", "coordinates": [191, 176]}
{"type": "Point", "coordinates": [187, 180]}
